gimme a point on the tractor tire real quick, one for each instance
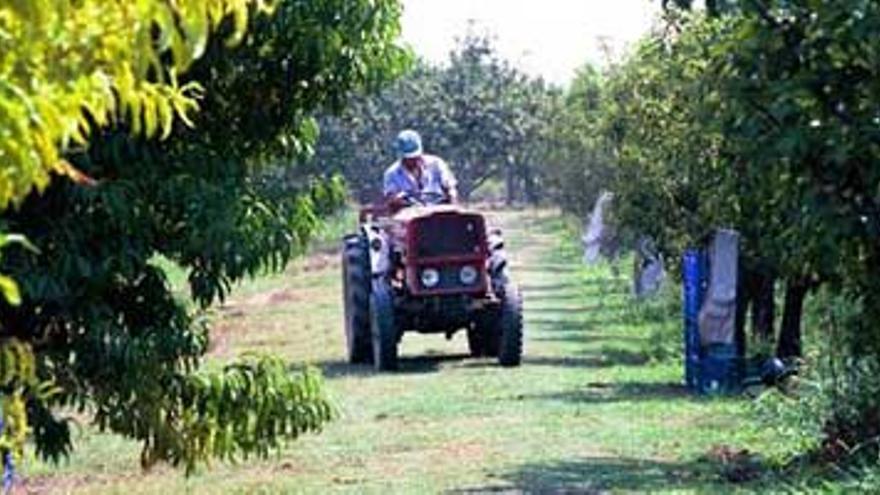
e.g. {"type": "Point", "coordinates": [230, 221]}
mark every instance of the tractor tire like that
{"type": "Point", "coordinates": [510, 323]}
{"type": "Point", "coordinates": [476, 340]}
{"type": "Point", "coordinates": [383, 327]}
{"type": "Point", "coordinates": [485, 335]}
{"type": "Point", "coordinates": [356, 299]}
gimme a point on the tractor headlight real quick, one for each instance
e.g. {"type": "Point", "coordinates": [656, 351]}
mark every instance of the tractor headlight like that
{"type": "Point", "coordinates": [468, 275]}
{"type": "Point", "coordinates": [430, 277]}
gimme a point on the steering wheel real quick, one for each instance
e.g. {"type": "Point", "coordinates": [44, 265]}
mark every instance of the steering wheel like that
{"type": "Point", "coordinates": [433, 197]}
{"type": "Point", "coordinates": [424, 198]}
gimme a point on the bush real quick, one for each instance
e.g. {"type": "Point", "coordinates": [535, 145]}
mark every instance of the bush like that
{"type": "Point", "coordinates": [663, 312]}
{"type": "Point", "coordinates": [832, 411]}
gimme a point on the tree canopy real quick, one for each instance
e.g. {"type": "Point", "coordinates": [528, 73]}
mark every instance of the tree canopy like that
{"type": "Point", "coordinates": [478, 112]}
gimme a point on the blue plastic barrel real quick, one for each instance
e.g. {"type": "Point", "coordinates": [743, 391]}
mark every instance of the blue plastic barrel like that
{"type": "Point", "coordinates": [720, 370]}
{"type": "Point", "coordinates": [693, 275]}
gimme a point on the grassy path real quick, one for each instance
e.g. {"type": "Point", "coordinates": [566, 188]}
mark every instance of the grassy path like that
{"type": "Point", "coordinates": [585, 413]}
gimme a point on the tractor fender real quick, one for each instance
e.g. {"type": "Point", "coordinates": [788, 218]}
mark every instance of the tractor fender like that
{"type": "Point", "coordinates": [379, 249]}
{"type": "Point", "coordinates": [497, 261]}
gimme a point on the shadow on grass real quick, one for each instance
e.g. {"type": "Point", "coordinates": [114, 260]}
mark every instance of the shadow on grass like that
{"type": "Point", "coordinates": [547, 268]}
{"type": "Point", "coordinates": [566, 323]}
{"type": "Point", "coordinates": [556, 326]}
{"type": "Point", "coordinates": [604, 393]}
{"type": "Point", "coordinates": [585, 288]}
{"type": "Point", "coordinates": [543, 288]}
{"type": "Point", "coordinates": [594, 475]}
{"type": "Point", "coordinates": [407, 365]}
{"type": "Point", "coordinates": [532, 298]}
{"type": "Point", "coordinates": [580, 335]}
{"type": "Point", "coordinates": [603, 358]}
{"type": "Point", "coordinates": [615, 308]}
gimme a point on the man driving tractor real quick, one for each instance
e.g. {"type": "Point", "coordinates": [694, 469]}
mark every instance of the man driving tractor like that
{"type": "Point", "coordinates": [417, 177]}
{"type": "Point", "coordinates": [431, 269]}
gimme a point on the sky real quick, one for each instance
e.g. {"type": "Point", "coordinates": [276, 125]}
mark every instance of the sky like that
{"type": "Point", "coordinates": [550, 38]}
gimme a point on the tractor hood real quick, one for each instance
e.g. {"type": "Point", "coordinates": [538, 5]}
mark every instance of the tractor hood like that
{"type": "Point", "coordinates": [415, 212]}
{"type": "Point", "coordinates": [446, 239]}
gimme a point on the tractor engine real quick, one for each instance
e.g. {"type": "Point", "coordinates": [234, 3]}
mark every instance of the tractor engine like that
{"type": "Point", "coordinates": [441, 252]}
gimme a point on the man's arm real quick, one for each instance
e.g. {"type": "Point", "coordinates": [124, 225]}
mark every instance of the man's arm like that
{"type": "Point", "coordinates": [449, 183]}
{"type": "Point", "coordinates": [392, 192]}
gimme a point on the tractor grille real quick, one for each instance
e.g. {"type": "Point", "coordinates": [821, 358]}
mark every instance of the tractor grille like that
{"type": "Point", "coordinates": [449, 235]}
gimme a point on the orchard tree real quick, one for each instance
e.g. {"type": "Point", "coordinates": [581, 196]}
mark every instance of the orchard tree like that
{"type": "Point", "coordinates": [485, 114]}
{"type": "Point", "coordinates": [357, 143]}
{"type": "Point", "coordinates": [68, 67]}
{"type": "Point", "coordinates": [478, 113]}
{"type": "Point", "coordinates": [577, 166]}
{"type": "Point", "coordinates": [764, 118]}
{"type": "Point", "coordinates": [680, 172]}
{"type": "Point", "coordinates": [803, 113]}
{"type": "Point", "coordinates": [106, 331]}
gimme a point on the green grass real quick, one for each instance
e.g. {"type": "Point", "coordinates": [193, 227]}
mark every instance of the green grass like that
{"type": "Point", "coordinates": [589, 410]}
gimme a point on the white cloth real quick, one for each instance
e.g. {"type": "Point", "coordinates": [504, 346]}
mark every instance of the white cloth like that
{"type": "Point", "coordinates": [718, 314]}
{"type": "Point", "coordinates": [595, 231]}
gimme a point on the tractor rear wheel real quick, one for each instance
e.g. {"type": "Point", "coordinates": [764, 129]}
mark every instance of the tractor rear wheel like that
{"type": "Point", "coordinates": [510, 322]}
{"type": "Point", "coordinates": [356, 299]}
{"type": "Point", "coordinates": [383, 326]}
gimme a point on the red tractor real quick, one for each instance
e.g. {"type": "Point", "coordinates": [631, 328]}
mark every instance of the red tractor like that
{"type": "Point", "coordinates": [429, 269]}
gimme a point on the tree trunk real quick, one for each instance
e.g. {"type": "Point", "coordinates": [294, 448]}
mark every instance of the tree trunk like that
{"type": "Point", "coordinates": [529, 185]}
{"type": "Point", "coordinates": [510, 179]}
{"type": "Point", "coordinates": [755, 290]}
{"type": "Point", "coordinates": [790, 334]}
{"type": "Point", "coordinates": [466, 184]}
{"type": "Point", "coordinates": [742, 308]}
{"type": "Point", "coordinates": [763, 305]}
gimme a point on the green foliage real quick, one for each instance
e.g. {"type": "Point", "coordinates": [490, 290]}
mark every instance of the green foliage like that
{"type": "Point", "coordinates": [663, 313]}
{"type": "Point", "coordinates": [577, 166]}
{"type": "Point", "coordinates": [8, 287]}
{"type": "Point", "coordinates": [830, 410]}
{"type": "Point", "coordinates": [249, 408]}
{"type": "Point", "coordinates": [479, 113]}
{"type": "Point", "coordinates": [665, 144]}
{"type": "Point", "coordinates": [223, 200]}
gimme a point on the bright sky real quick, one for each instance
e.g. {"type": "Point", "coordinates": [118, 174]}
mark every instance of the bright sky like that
{"type": "Point", "coordinates": [551, 38]}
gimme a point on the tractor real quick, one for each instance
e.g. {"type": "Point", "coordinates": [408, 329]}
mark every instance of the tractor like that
{"type": "Point", "coordinates": [429, 268]}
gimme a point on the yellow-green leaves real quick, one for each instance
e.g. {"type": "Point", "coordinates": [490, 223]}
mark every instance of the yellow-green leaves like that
{"type": "Point", "coordinates": [66, 66]}
{"type": "Point", "coordinates": [223, 201]}
{"type": "Point", "coordinates": [8, 288]}
{"type": "Point", "coordinates": [17, 371]}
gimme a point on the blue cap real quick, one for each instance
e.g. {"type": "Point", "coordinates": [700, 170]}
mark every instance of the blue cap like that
{"type": "Point", "coordinates": [408, 144]}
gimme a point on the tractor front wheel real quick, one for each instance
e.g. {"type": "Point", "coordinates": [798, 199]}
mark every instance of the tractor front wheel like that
{"type": "Point", "coordinates": [383, 327]}
{"type": "Point", "coordinates": [476, 340]}
{"type": "Point", "coordinates": [511, 327]}
{"type": "Point", "coordinates": [484, 335]}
